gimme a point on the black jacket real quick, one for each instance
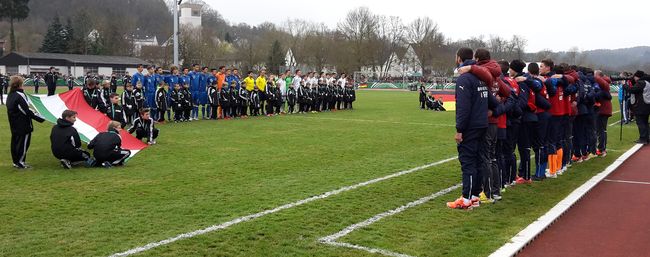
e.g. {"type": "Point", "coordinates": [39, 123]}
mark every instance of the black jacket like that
{"type": "Point", "coordinates": [92, 97]}
{"type": "Point", "coordinates": [20, 116]}
{"type": "Point", "coordinates": [161, 98]}
{"type": "Point", "coordinates": [64, 138]}
{"type": "Point", "coordinates": [116, 113]}
{"type": "Point", "coordinates": [128, 102]}
{"type": "Point", "coordinates": [213, 96]}
{"type": "Point", "coordinates": [639, 106]}
{"type": "Point", "coordinates": [105, 143]}
{"type": "Point", "coordinates": [50, 79]}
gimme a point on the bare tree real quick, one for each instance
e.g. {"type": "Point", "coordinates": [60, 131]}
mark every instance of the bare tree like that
{"type": "Point", "coordinates": [427, 41]}
{"type": "Point", "coordinates": [390, 38]}
{"type": "Point", "coordinates": [359, 27]}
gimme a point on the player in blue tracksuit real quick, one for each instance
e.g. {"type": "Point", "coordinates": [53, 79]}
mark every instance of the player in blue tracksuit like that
{"type": "Point", "coordinates": [137, 77]}
{"type": "Point", "coordinates": [195, 83]}
{"type": "Point", "coordinates": [172, 80]}
{"type": "Point", "coordinates": [234, 76]}
{"type": "Point", "coordinates": [159, 78]}
{"type": "Point", "coordinates": [471, 126]}
{"type": "Point", "coordinates": [203, 91]}
{"type": "Point", "coordinates": [150, 87]}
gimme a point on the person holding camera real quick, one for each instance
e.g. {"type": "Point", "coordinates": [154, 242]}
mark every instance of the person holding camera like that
{"type": "Point", "coordinates": [640, 100]}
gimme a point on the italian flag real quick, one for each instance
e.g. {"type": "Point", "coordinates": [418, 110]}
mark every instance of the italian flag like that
{"type": "Point", "coordinates": [90, 122]}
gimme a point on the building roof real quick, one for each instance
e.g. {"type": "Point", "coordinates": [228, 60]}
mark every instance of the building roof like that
{"type": "Point", "coordinates": [79, 58]}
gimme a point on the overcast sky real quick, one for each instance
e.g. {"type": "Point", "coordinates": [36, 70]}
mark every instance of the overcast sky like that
{"type": "Point", "coordinates": [553, 24]}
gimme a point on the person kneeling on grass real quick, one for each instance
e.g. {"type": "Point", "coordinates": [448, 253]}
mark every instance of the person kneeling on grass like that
{"type": "Point", "coordinates": [66, 144]}
{"type": "Point", "coordinates": [144, 127]}
{"type": "Point", "coordinates": [107, 146]}
{"type": "Point", "coordinates": [438, 105]}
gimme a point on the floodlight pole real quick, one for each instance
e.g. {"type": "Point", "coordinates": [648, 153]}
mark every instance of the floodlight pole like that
{"type": "Point", "coordinates": [176, 4]}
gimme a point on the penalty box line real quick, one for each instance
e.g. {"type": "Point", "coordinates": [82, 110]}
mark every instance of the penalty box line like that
{"type": "Point", "coordinates": [331, 239]}
{"type": "Point", "coordinates": [250, 217]}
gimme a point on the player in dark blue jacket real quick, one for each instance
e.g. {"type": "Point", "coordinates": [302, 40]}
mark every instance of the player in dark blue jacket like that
{"type": "Point", "coordinates": [172, 80]}
{"type": "Point", "coordinates": [138, 76]}
{"type": "Point", "coordinates": [195, 84]}
{"type": "Point", "coordinates": [471, 125]}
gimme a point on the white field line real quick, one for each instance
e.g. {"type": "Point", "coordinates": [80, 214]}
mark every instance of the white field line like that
{"type": "Point", "coordinates": [616, 121]}
{"type": "Point", "coordinates": [331, 239]}
{"type": "Point", "coordinates": [627, 181]}
{"type": "Point", "coordinates": [367, 249]}
{"type": "Point", "coordinates": [378, 121]}
{"type": "Point", "coordinates": [227, 224]}
{"type": "Point", "coordinates": [529, 233]}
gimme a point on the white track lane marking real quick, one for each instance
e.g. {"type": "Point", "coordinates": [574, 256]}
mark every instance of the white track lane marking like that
{"type": "Point", "coordinates": [627, 181]}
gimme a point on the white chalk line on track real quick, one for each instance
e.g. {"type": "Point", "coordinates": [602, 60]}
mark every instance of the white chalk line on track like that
{"type": "Point", "coordinates": [627, 181]}
{"type": "Point", "coordinates": [331, 239]}
{"type": "Point", "coordinates": [377, 121]}
{"type": "Point", "coordinates": [528, 234]}
{"type": "Point", "coordinates": [227, 224]}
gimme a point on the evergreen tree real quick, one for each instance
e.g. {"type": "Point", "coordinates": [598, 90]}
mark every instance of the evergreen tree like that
{"type": "Point", "coordinates": [276, 58]}
{"type": "Point", "coordinates": [55, 38]}
{"type": "Point", "coordinates": [71, 46]}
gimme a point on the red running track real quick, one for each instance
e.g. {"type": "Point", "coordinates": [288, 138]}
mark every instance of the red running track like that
{"type": "Point", "coordinates": [613, 219]}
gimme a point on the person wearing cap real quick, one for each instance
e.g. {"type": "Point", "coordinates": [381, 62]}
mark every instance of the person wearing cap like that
{"type": "Point", "coordinates": [50, 81]}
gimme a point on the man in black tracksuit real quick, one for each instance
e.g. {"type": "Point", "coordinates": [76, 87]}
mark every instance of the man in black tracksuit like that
{"type": "Point", "coordinates": [50, 81]}
{"type": "Point", "coordinates": [423, 97]}
{"type": "Point", "coordinates": [66, 144]}
{"type": "Point", "coordinates": [20, 122]}
{"type": "Point", "coordinates": [471, 125]}
{"type": "Point", "coordinates": [107, 147]}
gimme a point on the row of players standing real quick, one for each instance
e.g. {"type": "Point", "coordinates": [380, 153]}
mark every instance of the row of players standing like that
{"type": "Point", "coordinates": [222, 94]}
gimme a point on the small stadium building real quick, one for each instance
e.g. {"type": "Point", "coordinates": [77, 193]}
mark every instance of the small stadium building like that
{"type": "Point", "coordinates": [76, 65]}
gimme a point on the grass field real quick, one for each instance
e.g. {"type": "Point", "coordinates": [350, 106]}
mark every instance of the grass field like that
{"type": "Point", "coordinates": [205, 173]}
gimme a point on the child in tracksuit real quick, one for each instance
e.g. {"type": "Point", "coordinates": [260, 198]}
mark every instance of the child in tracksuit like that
{"type": "Point", "coordinates": [244, 99]}
{"type": "Point", "coordinates": [255, 102]}
{"type": "Point", "coordinates": [278, 101]}
{"type": "Point", "coordinates": [128, 104]}
{"type": "Point", "coordinates": [161, 101]}
{"type": "Point", "coordinates": [114, 111]}
{"type": "Point", "coordinates": [224, 101]}
{"type": "Point", "coordinates": [176, 99]}
{"type": "Point", "coordinates": [138, 95]}
{"type": "Point", "coordinates": [270, 98]}
{"type": "Point", "coordinates": [144, 127]}
{"type": "Point", "coordinates": [302, 98]}
{"type": "Point", "coordinates": [235, 101]}
{"type": "Point", "coordinates": [187, 102]}
{"type": "Point", "coordinates": [213, 100]}
{"type": "Point", "coordinates": [291, 99]}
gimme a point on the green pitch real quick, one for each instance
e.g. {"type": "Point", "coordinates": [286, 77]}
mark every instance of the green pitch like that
{"type": "Point", "coordinates": [205, 173]}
